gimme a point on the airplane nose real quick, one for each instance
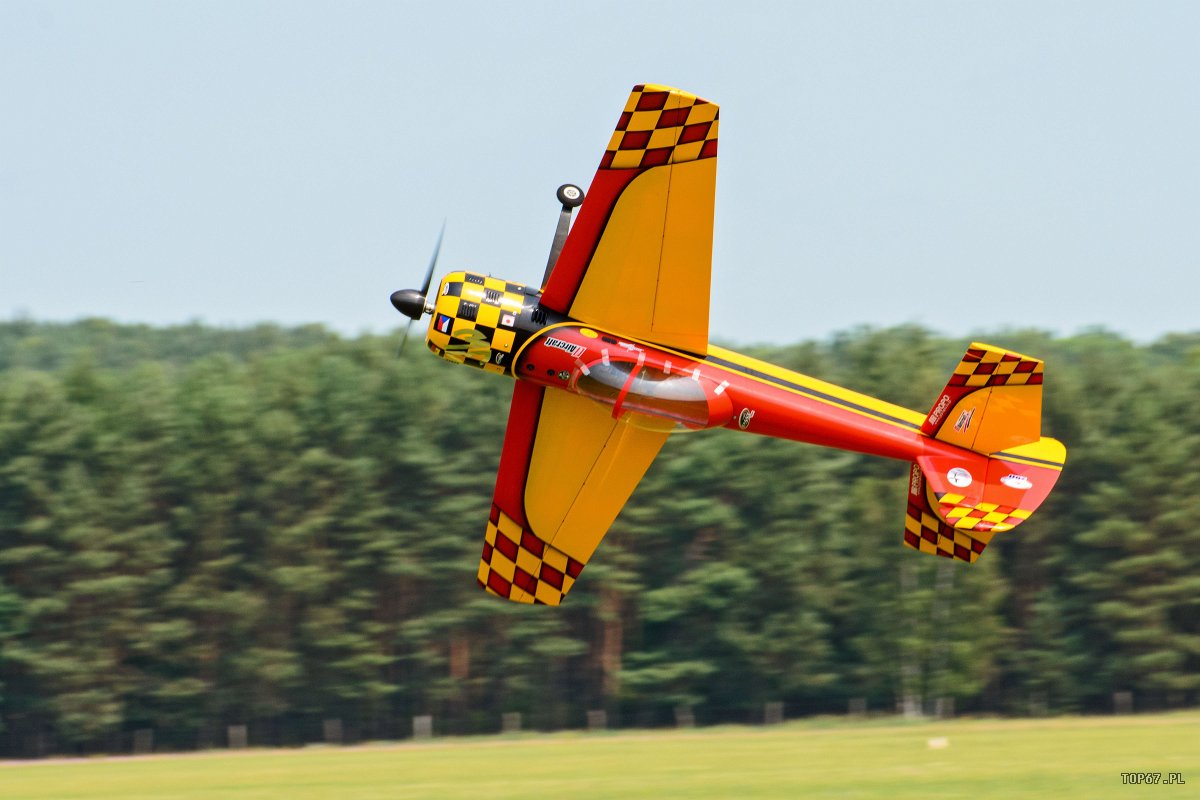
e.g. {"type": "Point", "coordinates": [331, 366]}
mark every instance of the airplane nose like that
{"type": "Point", "coordinates": [409, 302]}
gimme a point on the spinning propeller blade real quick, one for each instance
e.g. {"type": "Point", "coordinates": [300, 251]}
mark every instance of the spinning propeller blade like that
{"type": "Point", "coordinates": [415, 304]}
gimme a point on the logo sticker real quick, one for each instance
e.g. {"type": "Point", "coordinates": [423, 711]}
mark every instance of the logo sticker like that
{"type": "Point", "coordinates": [499, 357]}
{"type": "Point", "coordinates": [1017, 481]}
{"type": "Point", "coordinates": [744, 418]}
{"type": "Point", "coordinates": [574, 349]}
{"type": "Point", "coordinates": [914, 483]}
{"type": "Point", "coordinates": [964, 420]}
{"type": "Point", "coordinates": [444, 323]}
{"type": "Point", "coordinates": [959, 477]}
{"type": "Point", "coordinates": [508, 320]}
{"type": "Point", "coordinates": [935, 416]}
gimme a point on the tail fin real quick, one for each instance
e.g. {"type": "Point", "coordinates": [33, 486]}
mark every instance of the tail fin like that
{"type": "Point", "coordinates": [998, 469]}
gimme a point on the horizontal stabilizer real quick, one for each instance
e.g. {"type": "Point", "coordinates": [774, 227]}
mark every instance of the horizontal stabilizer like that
{"type": "Point", "coordinates": [997, 469]}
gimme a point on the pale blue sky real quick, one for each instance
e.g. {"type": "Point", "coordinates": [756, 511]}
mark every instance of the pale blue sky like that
{"type": "Point", "coordinates": [963, 165]}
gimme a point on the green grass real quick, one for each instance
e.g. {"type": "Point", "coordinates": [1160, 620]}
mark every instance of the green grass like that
{"type": "Point", "coordinates": [1067, 757]}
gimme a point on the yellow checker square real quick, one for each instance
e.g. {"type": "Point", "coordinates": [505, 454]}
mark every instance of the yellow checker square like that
{"type": "Point", "coordinates": [548, 594]}
{"type": "Point", "coordinates": [957, 511]}
{"type": "Point", "coordinates": [448, 305]}
{"type": "Point", "coordinates": [529, 562]}
{"type": "Point", "coordinates": [1020, 513]}
{"type": "Point", "coordinates": [911, 525]}
{"type": "Point", "coordinates": [978, 380]}
{"type": "Point", "coordinates": [503, 340]}
{"type": "Point", "coordinates": [614, 143]}
{"type": "Point", "coordinates": [509, 527]}
{"type": "Point", "coordinates": [927, 546]}
{"type": "Point", "coordinates": [627, 159]}
{"type": "Point", "coordinates": [702, 112]}
{"type": "Point", "coordinates": [643, 121]}
{"type": "Point", "coordinates": [928, 521]}
{"type": "Point", "coordinates": [498, 284]}
{"type": "Point", "coordinates": [687, 152]}
{"type": "Point", "coordinates": [488, 316]}
{"type": "Point", "coordinates": [482, 574]}
{"type": "Point", "coordinates": [511, 301]}
{"type": "Point", "coordinates": [986, 507]}
{"type": "Point", "coordinates": [568, 582]}
{"type": "Point", "coordinates": [952, 499]}
{"type": "Point", "coordinates": [490, 367]}
{"type": "Point", "coordinates": [519, 595]}
{"type": "Point", "coordinates": [555, 558]}
{"type": "Point", "coordinates": [490, 536]}
{"type": "Point", "coordinates": [1006, 367]}
{"type": "Point", "coordinates": [663, 137]}
{"type": "Point", "coordinates": [995, 516]}
{"type": "Point", "coordinates": [502, 566]}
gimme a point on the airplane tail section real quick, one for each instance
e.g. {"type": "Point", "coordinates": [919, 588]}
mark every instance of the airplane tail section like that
{"type": "Point", "coordinates": [998, 468]}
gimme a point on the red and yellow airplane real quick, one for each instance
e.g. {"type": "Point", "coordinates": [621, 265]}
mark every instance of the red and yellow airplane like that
{"type": "Point", "coordinates": [611, 354]}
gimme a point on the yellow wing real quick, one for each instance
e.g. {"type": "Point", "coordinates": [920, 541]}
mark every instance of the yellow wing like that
{"type": "Point", "coordinates": [639, 257]}
{"type": "Point", "coordinates": [565, 473]}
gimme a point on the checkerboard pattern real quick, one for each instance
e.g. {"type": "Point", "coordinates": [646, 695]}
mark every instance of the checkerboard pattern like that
{"type": "Point", "coordinates": [980, 516]}
{"type": "Point", "coordinates": [925, 532]}
{"type": "Point", "coordinates": [984, 365]}
{"type": "Point", "coordinates": [475, 304]}
{"type": "Point", "coordinates": [519, 566]}
{"type": "Point", "coordinates": [661, 125]}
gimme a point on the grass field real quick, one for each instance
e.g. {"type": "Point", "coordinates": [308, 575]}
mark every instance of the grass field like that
{"type": "Point", "coordinates": [1066, 757]}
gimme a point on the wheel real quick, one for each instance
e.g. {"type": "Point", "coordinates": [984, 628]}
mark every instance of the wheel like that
{"type": "Point", "coordinates": [570, 195]}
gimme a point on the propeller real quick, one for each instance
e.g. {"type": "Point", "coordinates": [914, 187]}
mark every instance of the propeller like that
{"type": "Point", "coordinates": [415, 304]}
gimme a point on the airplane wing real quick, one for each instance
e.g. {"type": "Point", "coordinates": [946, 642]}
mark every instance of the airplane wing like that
{"type": "Point", "coordinates": [566, 470]}
{"type": "Point", "coordinates": [639, 256]}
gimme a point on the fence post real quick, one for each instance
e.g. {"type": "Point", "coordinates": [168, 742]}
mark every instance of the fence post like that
{"type": "Point", "coordinates": [237, 736]}
{"type": "Point", "coordinates": [143, 741]}
{"type": "Point", "coordinates": [423, 726]}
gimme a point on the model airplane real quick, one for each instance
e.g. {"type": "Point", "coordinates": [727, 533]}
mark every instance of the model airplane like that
{"type": "Point", "coordinates": [611, 354]}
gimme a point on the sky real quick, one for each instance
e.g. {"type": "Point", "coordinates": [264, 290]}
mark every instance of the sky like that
{"type": "Point", "coordinates": [965, 166]}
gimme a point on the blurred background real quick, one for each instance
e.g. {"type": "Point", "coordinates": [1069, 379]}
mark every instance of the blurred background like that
{"type": "Point", "coordinates": [279, 528]}
{"type": "Point", "coordinates": [225, 505]}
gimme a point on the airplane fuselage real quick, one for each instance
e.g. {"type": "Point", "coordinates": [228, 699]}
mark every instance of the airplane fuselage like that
{"type": "Point", "coordinates": [499, 326]}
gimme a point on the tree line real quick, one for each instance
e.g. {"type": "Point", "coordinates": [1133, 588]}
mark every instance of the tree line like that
{"type": "Point", "coordinates": [270, 527]}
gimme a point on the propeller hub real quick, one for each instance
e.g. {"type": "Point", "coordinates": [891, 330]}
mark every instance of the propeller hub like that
{"type": "Point", "coordinates": [410, 302]}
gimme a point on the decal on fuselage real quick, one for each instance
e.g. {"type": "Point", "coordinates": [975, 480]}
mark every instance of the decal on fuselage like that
{"type": "Point", "coordinates": [959, 477]}
{"type": "Point", "coordinates": [574, 350]}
